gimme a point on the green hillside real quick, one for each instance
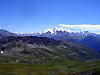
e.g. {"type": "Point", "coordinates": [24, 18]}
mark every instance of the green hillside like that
{"type": "Point", "coordinates": [45, 56]}
{"type": "Point", "coordinates": [59, 66]}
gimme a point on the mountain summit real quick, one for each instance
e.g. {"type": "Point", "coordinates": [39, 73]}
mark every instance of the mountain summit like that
{"type": "Point", "coordinates": [54, 30]}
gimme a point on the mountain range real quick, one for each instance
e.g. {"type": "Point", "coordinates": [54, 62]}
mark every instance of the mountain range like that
{"type": "Point", "coordinates": [86, 38]}
{"type": "Point", "coordinates": [53, 31]}
{"type": "Point", "coordinates": [49, 53]}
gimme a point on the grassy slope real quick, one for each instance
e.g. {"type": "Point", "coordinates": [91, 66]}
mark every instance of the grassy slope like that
{"type": "Point", "coordinates": [25, 69]}
{"type": "Point", "coordinates": [58, 66]}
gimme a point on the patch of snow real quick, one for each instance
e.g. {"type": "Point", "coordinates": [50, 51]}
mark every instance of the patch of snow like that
{"type": "Point", "coordinates": [48, 30]}
{"type": "Point", "coordinates": [83, 32]}
{"type": "Point", "coordinates": [1, 52]}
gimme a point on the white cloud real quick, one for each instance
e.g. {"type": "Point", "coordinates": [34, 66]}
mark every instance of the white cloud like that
{"type": "Point", "coordinates": [83, 27]}
{"type": "Point", "coordinates": [9, 26]}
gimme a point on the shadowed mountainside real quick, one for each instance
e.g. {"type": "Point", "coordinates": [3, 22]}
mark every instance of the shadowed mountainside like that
{"type": "Point", "coordinates": [42, 48]}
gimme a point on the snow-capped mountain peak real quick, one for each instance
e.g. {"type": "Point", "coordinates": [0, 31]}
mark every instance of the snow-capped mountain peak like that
{"type": "Point", "coordinates": [54, 30]}
{"type": "Point", "coordinates": [48, 30]}
{"type": "Point", "coordinates": [84, 33]}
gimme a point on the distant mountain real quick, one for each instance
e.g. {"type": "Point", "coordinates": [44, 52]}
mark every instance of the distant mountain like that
{"type": "Point", "coordinates": [60, 33]}
{"type": "Point", "coordinates": [56, 31]}
{"type": "Point", "coordinates": [5, 33]}
{"type": "Point", "coordinates": [29, 49]}
{"type": "Point", "coordinates": [83, 37]}
{"type": "Point", "coordinates": [51, 31]}
{"type": "Point", "coordinates": [27, 34]}
{"type": "Point", "coordinates": [92, 42]}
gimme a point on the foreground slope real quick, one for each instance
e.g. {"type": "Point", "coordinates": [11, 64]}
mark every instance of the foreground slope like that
{"type": "Point", "coordinates": [58, 66]}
